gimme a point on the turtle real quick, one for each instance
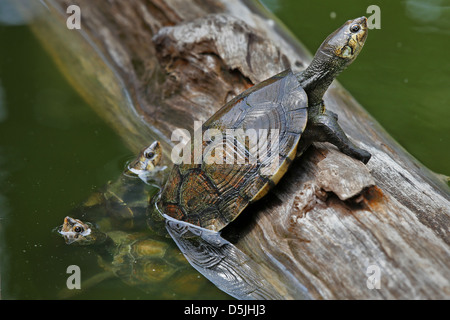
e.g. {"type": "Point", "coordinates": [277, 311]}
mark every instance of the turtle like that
{"type": "Point", "coordinates": [212, 192]}
{"type": "Point", "coordinates": [126, 248]}
{"type": "Point", "coordinates": [139, 259]}
{"type": "Point", "coordinates": [122, 203]}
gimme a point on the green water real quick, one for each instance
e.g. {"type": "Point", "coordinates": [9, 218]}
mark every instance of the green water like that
{"type": "Point", "coordinates": [54, 151]}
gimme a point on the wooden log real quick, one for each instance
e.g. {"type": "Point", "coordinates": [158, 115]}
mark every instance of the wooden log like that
{"type": "Point", "coordinates": [154, 66]}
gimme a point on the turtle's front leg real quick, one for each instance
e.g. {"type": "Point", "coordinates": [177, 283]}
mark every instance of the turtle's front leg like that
{"type": "Point", "coordinates": [323, 127]}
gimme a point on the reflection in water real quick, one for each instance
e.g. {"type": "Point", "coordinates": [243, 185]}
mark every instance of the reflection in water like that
{"type": "Point", "coordinates": [432, 16]}
{"type": "Point", "coordinates": [220, 261]}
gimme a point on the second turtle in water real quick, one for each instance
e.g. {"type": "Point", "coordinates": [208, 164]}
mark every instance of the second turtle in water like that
{"type": "Point", "coordinates": [212, 194]}
{"type": "Point", "coordinates": [126, 248]}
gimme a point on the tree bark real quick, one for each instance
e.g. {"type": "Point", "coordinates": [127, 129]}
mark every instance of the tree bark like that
{"type": "Point", "coordinates": [149, 67]}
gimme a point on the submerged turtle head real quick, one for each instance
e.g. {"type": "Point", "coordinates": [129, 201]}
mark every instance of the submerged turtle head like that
{"type": "Point", "coordinates": [147, 160]}
{"type": "Point", "coordinates": [76, 231]}
{"type": "Point", "coordinates": [336, 53]}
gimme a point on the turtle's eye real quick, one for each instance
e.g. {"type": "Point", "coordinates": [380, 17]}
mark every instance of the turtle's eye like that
{"type": "Point", "coordinates": [355, 28]}
{"type": "Point", "coordinates": [78, 229]}
{"type": "Point", "coordinates": [149, 155]}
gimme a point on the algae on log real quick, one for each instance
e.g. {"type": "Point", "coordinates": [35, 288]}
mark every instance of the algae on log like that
{"type": "Point", "coordinates": [158, 65]}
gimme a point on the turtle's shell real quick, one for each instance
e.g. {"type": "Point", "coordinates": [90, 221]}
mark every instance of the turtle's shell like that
{"type": "Point", "coordinates": [211, 194]}
{"type": "Point", "coordinates": [138, 258]}
{"type": "Point", "coordinates": [151, 264]}
{"type": "Point", "coordinates": [121, 204]}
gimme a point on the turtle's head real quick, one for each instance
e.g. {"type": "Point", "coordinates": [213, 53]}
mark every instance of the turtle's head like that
{"type": "Point", "coordinates": [347, 41]}
{"type": "Point", "coordinates": [337, 52]}
{"type": "Point", "coordinates": [76, 231]}
{"type": "Point", "coordinates": [147, 160]}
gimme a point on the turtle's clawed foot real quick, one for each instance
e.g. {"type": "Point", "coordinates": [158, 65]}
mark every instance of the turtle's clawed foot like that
{"type": "Point", "coordinates": [357, 153]}
{"type": "Point", "coordinates": [325, 128]}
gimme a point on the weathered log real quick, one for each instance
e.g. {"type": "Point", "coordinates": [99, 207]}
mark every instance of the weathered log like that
{"type": "Point", "coordinates": [152, 66]}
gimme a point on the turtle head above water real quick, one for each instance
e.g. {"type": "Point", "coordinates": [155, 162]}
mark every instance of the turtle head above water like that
{"type": "Point", "coordinates": [347, 41]}
{"type": "Point", "coordinates": [147, 160]}
{"type": "Point", "coordinates": [76, 231]}
{"type": "Point", "coordinates": [335, 54]}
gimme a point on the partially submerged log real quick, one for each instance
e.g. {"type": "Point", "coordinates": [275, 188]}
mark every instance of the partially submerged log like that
{"type": "Point", "coordinates": [149, 67]}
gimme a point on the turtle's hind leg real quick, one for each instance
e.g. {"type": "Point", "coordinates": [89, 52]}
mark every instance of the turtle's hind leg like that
{"type": "Point", "coordinates": [323, 127]}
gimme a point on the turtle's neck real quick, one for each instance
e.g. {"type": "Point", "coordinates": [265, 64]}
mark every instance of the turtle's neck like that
{"type": "Point", "coordinates": [101, 243]}
{"type": "Point", "coordinates": [316, 79]}
{"type": "Point", "coordinates": [98, 237]}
